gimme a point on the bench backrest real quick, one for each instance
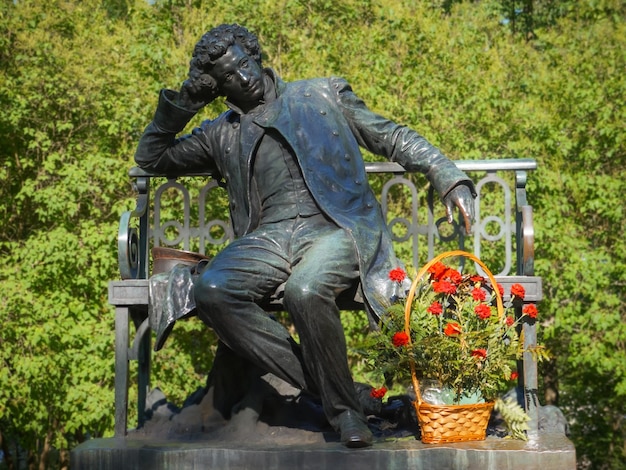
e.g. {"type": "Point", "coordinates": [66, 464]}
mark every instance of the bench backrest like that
{"type": "Point", "coordinates": [502, 232]}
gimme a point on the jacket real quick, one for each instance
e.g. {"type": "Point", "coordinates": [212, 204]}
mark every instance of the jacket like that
{"type": "Point", "coordinates": [325, 124]}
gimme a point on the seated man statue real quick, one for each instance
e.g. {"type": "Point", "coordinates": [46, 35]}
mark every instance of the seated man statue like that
{"type": "Point", "coordinates": [302, 210]}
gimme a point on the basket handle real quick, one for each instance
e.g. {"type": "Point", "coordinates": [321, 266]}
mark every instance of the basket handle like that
{"type": "Point", "coordinates": [411, 296]}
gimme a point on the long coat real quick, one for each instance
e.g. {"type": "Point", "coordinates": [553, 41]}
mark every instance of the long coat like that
{"type": "Point", "coordinates": [325, 123]}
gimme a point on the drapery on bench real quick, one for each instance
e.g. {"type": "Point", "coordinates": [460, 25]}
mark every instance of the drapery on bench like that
{"type": "Point", "coordinates": [503, 228]}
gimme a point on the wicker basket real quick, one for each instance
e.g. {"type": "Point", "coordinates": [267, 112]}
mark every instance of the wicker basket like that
{"type": "Point", "coordinates": [449, 423]}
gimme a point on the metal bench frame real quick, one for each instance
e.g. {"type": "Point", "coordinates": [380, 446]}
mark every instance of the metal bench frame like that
{"type": "Point", "coordinates": [142, 228]}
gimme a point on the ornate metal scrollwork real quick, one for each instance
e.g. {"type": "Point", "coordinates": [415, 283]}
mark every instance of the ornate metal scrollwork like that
{"type": "Point", "coordinates": [505, 231]}
{"type": "Point", "coordinates": [497, 231]}
{"type": "Point", "coordinates": [404, 229]}
{"type": "Point", "coordinates": [127, 248]}
{"type": "Point", "coordinates": [161, 230]}
{"type": "Point", "coordinates": [189, 234]}
{"type": "Point", "coordinates": [205, 228]}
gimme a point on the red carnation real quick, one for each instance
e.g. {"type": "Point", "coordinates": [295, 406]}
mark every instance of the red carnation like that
{"type": "Point", "coordinates": [444, 287]}
{"type": "Point", "coordinates": [480, 353]}
{"type": "Point", "coordinates": [483, 311]}
{"type": "Point", "coordinates": [378, 392]}
{"type": "Point", "coordinates": [397, 275]}
{"type": "Point", "coordinates": [514, 375]}
{"type": "Point", "coordinates": [500, 289]}
{"type": "Point", "coordinates": [509, 321]}
{"type": "Point", "coordinates": [475, 278]}
{"type": "Point", "coordinates": [400, 339]}
{"type": "Point", "coordinates": [478, 294]}
{"type": "Point", "coordinates": [453, 276]}
{"type": "Point", "coordinates": [518, 291]}
{"type": "Point", "coordinates": [435, 308]}
{"type": "Point", "coordinates": [530, 310]}
{"type": "Point", "coordinates": [452, 329]}
{"type": "Point", "coordinates": [437, 270]}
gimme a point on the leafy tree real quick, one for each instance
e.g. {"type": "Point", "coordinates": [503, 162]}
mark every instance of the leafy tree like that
{"type": "Point", "coordinates": [78, 83]}
{"type": "Point", "coordinates": [62, 135]}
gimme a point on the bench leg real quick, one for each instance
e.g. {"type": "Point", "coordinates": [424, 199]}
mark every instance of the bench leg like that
{"type": "Point", "coordinates": [121, 371]}
{"type": "Point", "coordinates": [531, 392]}
{"type": "Point", "coordinates": [143, 357]}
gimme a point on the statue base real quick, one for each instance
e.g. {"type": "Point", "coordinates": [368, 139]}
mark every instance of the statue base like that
{"type": "Point", "coordinates": [545, 452]}
{"type": "Point", "coordinates": [276, 427]}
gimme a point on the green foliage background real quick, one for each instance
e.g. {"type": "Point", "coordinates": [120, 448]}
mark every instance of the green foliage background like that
{"type": "Point", "coordinates": [482, 79]}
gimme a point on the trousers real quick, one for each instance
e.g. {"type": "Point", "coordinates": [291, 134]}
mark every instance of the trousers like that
{"type": "Point", "coordinates": [316, 261]}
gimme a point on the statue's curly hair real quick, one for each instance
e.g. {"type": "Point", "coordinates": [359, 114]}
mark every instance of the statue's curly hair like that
{"type": "Point", "coordinates": [216, 42]}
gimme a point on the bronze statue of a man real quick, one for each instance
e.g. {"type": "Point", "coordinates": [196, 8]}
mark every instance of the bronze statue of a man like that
{"type": "Point", "coordinates": [301, 207]}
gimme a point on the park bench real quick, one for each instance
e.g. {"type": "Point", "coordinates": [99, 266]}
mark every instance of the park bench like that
{"type": "Point", "coordinates": [503, 230]}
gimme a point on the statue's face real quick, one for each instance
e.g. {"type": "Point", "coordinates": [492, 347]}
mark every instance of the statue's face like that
{"type": "Point", "coordinates": [239, 78]}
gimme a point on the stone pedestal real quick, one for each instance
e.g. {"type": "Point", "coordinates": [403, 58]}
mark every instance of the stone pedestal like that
{"type": "Point", "coordinates": [546, 452]}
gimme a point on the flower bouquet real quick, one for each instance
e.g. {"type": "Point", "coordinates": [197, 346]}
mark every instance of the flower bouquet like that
{"type": "Point", "coordinates": [454, 341]}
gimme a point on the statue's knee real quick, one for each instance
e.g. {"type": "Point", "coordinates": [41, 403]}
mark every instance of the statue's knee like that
{"type": "Point", "coordinates": [297, 294]}
{"type": "Point", "coordinates": [209, 290]}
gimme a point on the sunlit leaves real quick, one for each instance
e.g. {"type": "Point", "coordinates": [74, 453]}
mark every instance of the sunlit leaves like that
{"type": "Point", "coordinates": [79, 82]}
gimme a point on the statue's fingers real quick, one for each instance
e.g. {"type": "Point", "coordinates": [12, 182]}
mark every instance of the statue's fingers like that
{"type": "Point", "coordinates": [468, 221]}
{"type": "Point", "coordinates": [449, 211]}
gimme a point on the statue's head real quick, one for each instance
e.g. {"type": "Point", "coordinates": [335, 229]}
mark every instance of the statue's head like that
{"type": "Point", "coordinates": [227, 60]}
{"type": "Point", "coordinates": [216, 42]}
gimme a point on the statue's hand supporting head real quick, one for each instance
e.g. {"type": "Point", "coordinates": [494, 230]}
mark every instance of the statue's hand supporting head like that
{"type": "Point", "coordinates": [199, 89]}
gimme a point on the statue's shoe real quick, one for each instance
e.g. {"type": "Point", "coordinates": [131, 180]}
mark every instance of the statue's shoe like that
{"type": "Point", "coordinates": [354, 430]}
